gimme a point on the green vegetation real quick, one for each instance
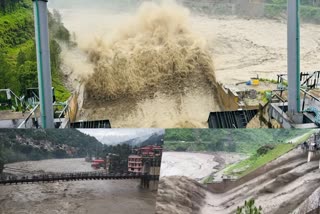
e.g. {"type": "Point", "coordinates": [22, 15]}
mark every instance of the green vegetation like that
{"type": "Point", "coordinates": [262, 145]}
{"type": "Point", "coordinates": [255, 161]}
{"type": "Point", "coordinates": [18, 66]}
{"type": "Point", "coordinates": [23, 144]}
{"type": "Point", "coordinates": [249, 208]}
{"type": "Point", "coordinates": [231, 140]}
{"type": "Point", "coordinates": [265, 149]}
{"type": "Point", "coordinates": [122, 151]}
{"type": "Point", "coordinates": [1, 165]}
{"type": "Point", "coordinates": [309, 10]}
{"type": "Point", "coordinates": [264, 155]}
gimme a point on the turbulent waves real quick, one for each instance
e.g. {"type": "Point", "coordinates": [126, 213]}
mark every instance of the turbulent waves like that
{"type": "Point", "coordinates": [154, 51]}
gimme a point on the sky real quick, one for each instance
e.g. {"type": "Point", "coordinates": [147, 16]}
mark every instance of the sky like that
{"type": "Point", "coordinates": [119, 135]}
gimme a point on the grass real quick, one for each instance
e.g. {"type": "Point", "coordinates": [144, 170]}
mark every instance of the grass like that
{"type": "Point", "coordinates": [254, 162]}
{"type": "Point", "coordinates": [208, 179]}
{"type": "Point", "coordinates": [244, 167]}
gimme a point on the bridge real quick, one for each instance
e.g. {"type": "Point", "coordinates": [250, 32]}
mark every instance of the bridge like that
{"type": "Point", "coordinates": [54, 177]}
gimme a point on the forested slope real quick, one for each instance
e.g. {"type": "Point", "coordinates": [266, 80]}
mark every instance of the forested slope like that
{"type": "Point", "coordinates": [231, 140]}
{"type": "Point", "coordinates": [18, 66]}
{"type": "Point", "coordinates": [23, 144]}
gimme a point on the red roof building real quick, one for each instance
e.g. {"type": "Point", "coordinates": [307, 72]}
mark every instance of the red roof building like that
{"type": "Point", "coordinates": [150, 151]}
{"type": "Point", "coordinates": [135, 162]}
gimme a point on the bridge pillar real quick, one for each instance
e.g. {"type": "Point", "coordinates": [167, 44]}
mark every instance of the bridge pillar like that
{"type": "Point", "coordinates": [151, 170]}
{"type": "Point", "coordinates": [153, 185]}
{"type": "Point", "coordinates": [145, 182]}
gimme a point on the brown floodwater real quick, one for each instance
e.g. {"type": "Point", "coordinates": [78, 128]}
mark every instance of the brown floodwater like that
{"type": "Point", "coordinates": [78, 197]}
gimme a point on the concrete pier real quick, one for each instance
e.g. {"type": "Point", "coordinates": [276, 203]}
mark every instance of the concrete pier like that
{"type": "Point", "coordinates": [151, 173]}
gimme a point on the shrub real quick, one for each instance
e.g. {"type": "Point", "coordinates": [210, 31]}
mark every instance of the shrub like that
{"type": "Point", "coordinates": [249, 208]}
{"type": "Point", "coordinates": [265, 149]}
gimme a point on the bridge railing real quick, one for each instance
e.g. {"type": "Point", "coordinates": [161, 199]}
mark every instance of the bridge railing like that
{"type": "Point", "coordinates": [74, 177]}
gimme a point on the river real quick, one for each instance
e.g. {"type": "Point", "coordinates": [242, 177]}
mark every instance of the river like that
{"type": "Point", "coordinates": [78, 197]}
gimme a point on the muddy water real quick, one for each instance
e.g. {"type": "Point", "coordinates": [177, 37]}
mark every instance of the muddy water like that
{"type": "Point", "coordinates": [122, 196]}
{"type": "Point", "coordinates": [191, 165]}
{"type": "Point", "coordinates": [240, 48]}
{"type": "Point", "coordinates": [164, 110]}
{"type": "Point", "coordinates": [195, 165]}
{"type": "Point", "coordinates": [246, 48]}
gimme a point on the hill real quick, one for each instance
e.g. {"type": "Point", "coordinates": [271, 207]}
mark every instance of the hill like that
{"type": "Point", "coordinates": [18, 66]}
{"type": "Point", "coordinates": [230, 140]}
{"type": "Point", "coordinates": [23, 144]}
{"type": "Point", "coordinates": [154, 139]}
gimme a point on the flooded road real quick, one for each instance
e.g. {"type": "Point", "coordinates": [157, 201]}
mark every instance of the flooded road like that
{"type": "Point", "coordinates": [103, 196]}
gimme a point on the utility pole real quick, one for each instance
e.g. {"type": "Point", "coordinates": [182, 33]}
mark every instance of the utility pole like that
{"type": "Point", "coordinates": [293, 49]}
{"type": "Point", "coordinates": [43, 61]}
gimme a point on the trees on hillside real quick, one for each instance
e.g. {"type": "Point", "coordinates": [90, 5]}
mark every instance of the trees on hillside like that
{"type": "Point", "coordinates": [8, 5]}
{"type": "Point", "coordinates": [18, 61]}
{"type": "Point", "coordinates": [303, 2]}
{"type": "Point", "coordinates": [15, 144]}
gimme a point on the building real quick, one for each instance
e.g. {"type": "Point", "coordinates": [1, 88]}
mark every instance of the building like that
{"type": "Point", "coordinates": [135, 163]}
{"type": "Point", "coordinates": [150, 151]}
{"type": "Point", "coordinates": [143, 156]}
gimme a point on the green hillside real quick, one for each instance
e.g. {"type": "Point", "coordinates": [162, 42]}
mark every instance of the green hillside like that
{"type": "Point", "coordinates": [231, 140]}
{"type": "Point", "coordinates": [18, 66]}
{"type": "Point", "coordinates": [25, 144]}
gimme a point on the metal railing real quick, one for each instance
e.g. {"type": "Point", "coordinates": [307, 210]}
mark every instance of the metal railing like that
{"type": "Point", "coordinates": [52, 177]}
{"type": "Point", "coordinates": [60, 117]}
{"type": "Point", "coordinates": [304, 81]}
{"type": "Point", "coordinates": [24, 123]}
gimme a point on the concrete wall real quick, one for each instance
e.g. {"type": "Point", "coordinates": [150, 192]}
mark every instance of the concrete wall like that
{"type": "Point", "coordinates": [155, 170]}
{"type": "Point", "coordinates": [152, 185]}
{"type": "Point", "coordinates": [227, 98]}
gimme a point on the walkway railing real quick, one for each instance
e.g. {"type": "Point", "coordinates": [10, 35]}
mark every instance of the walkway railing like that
{"type": "Point", "coordinates": [73, 177]}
